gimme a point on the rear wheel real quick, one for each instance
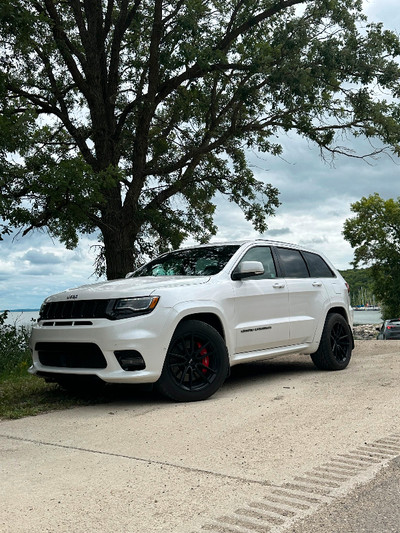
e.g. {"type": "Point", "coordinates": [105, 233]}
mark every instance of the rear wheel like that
{"type": "Point", "coordinates": [196, 364]}
{"type": "Point", "coordinates": [334, 351]}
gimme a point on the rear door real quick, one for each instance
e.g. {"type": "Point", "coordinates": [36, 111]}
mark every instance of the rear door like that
{"type": "Point", "coordinates": [261, 306]}
{"type": "Point", "coordinates": [308, 297]}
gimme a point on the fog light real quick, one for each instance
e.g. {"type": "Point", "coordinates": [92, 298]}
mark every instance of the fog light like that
{"type": "Point", "coordinates": [130, 360]}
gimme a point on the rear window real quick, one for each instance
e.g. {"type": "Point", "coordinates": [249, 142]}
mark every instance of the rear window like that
{"type": "Point", "coordinates": [292, 263]}
{"type": "Point", "coordinates": [317, 266]}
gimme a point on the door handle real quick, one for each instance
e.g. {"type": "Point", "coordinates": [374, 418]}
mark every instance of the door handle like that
{"type": "Point", "coordinates": [317, 284]}
{"type": "Point", "coordinates": [278, 285]}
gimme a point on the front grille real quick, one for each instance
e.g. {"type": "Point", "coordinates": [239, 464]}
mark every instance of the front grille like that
{"type": "Point", "coordinates": [70, 354]}
{"type": "Point", "coordinates": [73, 309]}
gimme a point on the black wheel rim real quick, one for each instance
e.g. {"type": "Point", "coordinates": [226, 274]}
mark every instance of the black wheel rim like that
{"type": "Point", "coordinates": [340, 342]}
{"type": "Point", "coordinates": [193, 362]}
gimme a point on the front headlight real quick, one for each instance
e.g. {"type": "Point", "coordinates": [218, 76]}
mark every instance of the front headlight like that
{"type": "Point", "coordinates": [129, 307]}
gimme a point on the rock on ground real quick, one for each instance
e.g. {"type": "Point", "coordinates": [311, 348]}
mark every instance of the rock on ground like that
{"type": "Point", "coordinates": [365, 331]}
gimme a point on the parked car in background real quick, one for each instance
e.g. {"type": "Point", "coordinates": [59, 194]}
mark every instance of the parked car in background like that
{"type": "Point", "coordinates": [390, 330]}
{"type": "Point", "coordinates": [182, 320]}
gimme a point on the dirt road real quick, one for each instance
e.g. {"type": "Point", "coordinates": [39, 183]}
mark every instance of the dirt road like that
{"type": "Point", "coordinates": [280, 441]}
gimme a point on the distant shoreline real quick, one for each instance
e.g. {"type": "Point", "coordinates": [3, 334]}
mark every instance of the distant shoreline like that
{"type": "Point", "coordinates": [19, 310]}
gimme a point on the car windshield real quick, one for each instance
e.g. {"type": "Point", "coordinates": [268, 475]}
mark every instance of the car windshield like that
{"type": "Point", "coordinates": [190, 262]}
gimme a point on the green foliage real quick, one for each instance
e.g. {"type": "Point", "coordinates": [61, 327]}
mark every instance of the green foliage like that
{"type": "Point", "coordinates": [14, 351]}
{"type": "Point", "coordinates": [129, 117]}
{"type": "Point", "coordinates": [374, 233]}
{"type": "Point", "coordinates": [361, 286]}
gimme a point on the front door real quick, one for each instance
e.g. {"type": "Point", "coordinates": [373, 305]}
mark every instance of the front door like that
{"type": "Point", "coordinates": [261, 306]}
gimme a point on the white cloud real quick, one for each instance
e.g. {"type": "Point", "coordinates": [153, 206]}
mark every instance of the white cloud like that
{"type": "Point", "coordinates": [32, 268]}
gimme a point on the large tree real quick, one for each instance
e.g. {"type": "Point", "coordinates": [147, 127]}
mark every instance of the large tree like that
{"type": "Point", "coordinates": [129, 116]}
{"type": "Point", "coordinates": [374, 233]}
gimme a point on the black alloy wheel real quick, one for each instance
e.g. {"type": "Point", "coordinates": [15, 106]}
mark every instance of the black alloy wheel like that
{"type": "Point", "coordinates": [334, 351]}
{"type": "Point", "coordinates": [196, 364]}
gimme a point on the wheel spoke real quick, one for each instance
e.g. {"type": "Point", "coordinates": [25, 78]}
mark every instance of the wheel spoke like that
{"type": "Point", "coordinates": [183, 375]}
{"type": "Point", "coordinates": [208, 368]}
{"type": "Point", "coordinates": [177, 365]}
{"type": "Point", "coordinates": [339, 342]}
{"type": "Point", "coordinates": [178, 355]}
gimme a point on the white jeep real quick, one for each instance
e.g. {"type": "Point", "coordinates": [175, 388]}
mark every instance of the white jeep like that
{"type": "Point", "coordinates": [182, 320]}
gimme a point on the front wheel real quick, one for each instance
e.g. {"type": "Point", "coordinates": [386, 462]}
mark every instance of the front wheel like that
{"type": "Point", "coordinates": [196, 364]}
{"type": "Point", "coordinates": [334, 351]}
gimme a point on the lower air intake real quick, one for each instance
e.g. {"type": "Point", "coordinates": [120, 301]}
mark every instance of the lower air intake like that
{"type": "Point", "coordinates": [70, 354]}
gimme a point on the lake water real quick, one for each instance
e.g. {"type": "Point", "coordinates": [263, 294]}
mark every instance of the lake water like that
{"type": "Point", "coordinates": [21, 318]}
{"type": "Point", "coordinates": [367, 317]}
{"type": "Point", "coordinates": [24, 318]}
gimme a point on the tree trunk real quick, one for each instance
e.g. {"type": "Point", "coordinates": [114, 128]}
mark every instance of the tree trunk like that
{"type": "Point", "coordinates": [119, 235]}
{"type": "Point", "coordinates": [118, 251]}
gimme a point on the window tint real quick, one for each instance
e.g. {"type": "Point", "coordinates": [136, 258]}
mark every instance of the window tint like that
{"type": "Point", "coordinates": [264, 255]}
{"type": "Point", "coordinates": [317, 266]}
{"type": "Point", "coordinates": [292, 263]}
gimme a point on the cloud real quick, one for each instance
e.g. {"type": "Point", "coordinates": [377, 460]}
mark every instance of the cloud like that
{"type": "Point", "coordinates": [278, 232]}
{"type": "Point", "coordinates": [32, 268]}
{"type": "Point", "coordinates": [38, 257]}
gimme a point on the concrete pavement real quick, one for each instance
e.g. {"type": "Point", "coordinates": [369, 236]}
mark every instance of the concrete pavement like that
{"type": "Point", "coordinates": [280, 441]}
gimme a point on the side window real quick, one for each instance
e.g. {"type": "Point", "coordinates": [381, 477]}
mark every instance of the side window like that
{"type": "Point", "coordinates": [317, 266]}
{"type": "Point", "coordinates": [264, 255]}
{"type": "Point", "coordinates": [292, 263]}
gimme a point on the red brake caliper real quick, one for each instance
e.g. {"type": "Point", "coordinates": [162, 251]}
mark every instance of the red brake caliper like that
{"type": "Point", "coordinates": [206, 359]}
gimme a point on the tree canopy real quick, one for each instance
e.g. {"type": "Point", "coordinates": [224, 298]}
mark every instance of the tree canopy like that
{"type": "Point", "coordinates": [375, 234]}
{"type": "Point", "coordinates": [361, 286]}
{"type": "Point", "coordinates": [127, 117]}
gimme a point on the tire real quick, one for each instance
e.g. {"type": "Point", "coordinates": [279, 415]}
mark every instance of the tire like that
{"type": "Point", "coordinates": [196, 364]}
{"type": "Point", "coordinates": [335, 347]}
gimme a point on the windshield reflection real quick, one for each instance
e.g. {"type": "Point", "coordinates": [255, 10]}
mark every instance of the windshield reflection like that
{"type": "Point", "coordinates": [191, 262]}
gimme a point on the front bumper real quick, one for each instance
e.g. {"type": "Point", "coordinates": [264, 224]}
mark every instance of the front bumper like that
{"type": "Point", "coordinates": [145, 335]}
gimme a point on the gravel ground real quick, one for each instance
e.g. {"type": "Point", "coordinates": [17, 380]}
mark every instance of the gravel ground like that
{"type": "Point", "coordinates": [365, 331]}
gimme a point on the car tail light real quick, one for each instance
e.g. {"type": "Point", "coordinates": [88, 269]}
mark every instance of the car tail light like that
{"type": "Point", "coordinates": [348, 287]}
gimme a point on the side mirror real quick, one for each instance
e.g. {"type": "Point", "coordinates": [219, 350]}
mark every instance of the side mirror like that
{"type": "Point", "coordinates": [247, 269]}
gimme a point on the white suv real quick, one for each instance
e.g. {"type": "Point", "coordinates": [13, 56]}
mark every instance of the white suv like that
{"type": "Point", "coordinates": [182, 320]}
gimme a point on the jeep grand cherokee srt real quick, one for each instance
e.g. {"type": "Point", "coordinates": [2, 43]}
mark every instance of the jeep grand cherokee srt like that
{"type": "Point", "coordinates": [182, 320]}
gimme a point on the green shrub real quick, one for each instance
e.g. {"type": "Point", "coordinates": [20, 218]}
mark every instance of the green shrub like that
{"type": "Point", "coordinates": [14, 350]}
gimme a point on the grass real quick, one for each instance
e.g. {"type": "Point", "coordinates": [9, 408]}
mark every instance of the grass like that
{"type": "Point", "coordinates": [26, 395]}
{"type": "Point", "coordinates": [22, 394]}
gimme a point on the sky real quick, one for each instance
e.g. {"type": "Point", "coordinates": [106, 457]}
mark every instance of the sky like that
{"type": "Point", "coordinates": [315, 201]}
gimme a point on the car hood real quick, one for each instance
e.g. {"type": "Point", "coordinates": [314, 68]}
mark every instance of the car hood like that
{"type": "Point", "coordinates": [129, 287]}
